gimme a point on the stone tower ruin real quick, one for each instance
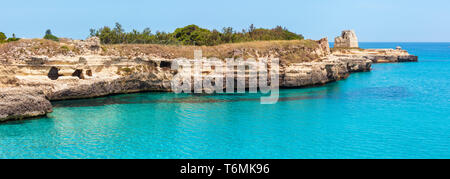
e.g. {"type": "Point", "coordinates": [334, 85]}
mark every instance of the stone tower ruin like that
{"type": "Point", "coordinates": [348, 39]}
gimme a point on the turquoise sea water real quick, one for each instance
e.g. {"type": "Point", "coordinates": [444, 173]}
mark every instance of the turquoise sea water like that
{"type": "Point", "coordinates": [395, 111]}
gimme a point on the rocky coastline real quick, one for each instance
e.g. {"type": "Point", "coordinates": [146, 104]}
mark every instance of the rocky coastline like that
{"type": "Point", "coordinates": [19, 103]}
{"type": "Point", "coordinates": [35, 72]}
{"type": "Point", "coordinates": [377, 55]}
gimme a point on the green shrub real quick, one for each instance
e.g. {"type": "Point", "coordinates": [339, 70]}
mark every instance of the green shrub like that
{"type": "Point", "coordinates": [124, 71]}
{"type": "Point", "coordinates": [65, 48]}
{"type": "Point", "coordinates": [104, 49]}
{"type": "Point", "coordinates": [13, 38]}
{"type": "Point", "coordinates": [2, 37]}
{"type": "Point", "coordinates": [50, 36]}
{"type": "Point", "coordinates": [191, 35]}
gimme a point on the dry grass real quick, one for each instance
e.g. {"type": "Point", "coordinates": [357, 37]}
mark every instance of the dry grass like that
{"type": "Point", "coordinates": [291, 51]}
{"type": "Point", "coordinates": [36, 47]}
{"type": "Point", "coordinates": [336, 49]}
{"type": "Point", "coordinates": [288, 51]}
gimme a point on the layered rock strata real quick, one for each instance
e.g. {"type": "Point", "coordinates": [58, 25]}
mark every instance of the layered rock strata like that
{"type": "Point", "coordinates": [89, 69]}
{"type": "Point", "coordinates": [19, 103]}
{"type": "Point", "coordinates": [376, 55]}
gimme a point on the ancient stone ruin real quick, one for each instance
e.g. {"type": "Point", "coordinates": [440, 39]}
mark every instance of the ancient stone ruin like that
{"type": "Point", "coordinates": [348, 39]}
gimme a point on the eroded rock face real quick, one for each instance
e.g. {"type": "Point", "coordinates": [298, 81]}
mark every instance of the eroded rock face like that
{"type": "Point", "coordinates": [355, 64]}
{"type": "Point", "coordinates": [6, 81]}
{"type": "Point", "coordinates": [90, 45]}
{"type": "Point", "coordinates": [324, 45]}
{"type": "Point", "coordinates": [376, 55]}
{"type": "Point", "coordinates": [127, 84]}
{"type": "Point", "coordinates": [348, 39]}
{"type": "Point", "coordinates": [17, 103]}
{"type": "Point", "coordinates": [319, 73]}
{"type": "Point", "coordinates": [92, 74]}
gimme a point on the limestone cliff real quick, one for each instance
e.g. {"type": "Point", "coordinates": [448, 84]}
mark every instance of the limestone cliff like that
{"type": "Point", "coordinates": [20, 103]}
{"type": "Point", "coordinates": [84, 69]}
{"type": "Point", "coordinates": [376, 55]}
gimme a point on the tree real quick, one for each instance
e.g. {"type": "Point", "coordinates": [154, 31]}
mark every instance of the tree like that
{"type": "Point", "coordinates": [13, 38]}
{"type": "Point", "coordinates": [105, 35]}
{"type": "Point", "coordinates": [192, 35]}
{"type": "Point", "coordinates": [251, 30]}
{"type": "Point", "coordinates": [2, 37]}
{"type": "Point", "coordinates": [118, 28]}
{"type": "Point", "coordinates": [118, 34]}
{"type": "Point", "coordinates": [92, 32]}
{"type": "Point", "coordinates": [227, 35]}
{"type": "Point", "coordinates": [50, 36]}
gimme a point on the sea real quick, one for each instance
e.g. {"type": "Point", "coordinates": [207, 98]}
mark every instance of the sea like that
{"type": "Point", "coordinates": [398, 110]}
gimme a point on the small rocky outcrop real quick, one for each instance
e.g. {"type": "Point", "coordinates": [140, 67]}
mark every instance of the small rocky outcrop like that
{"type": "Point", "coordinates": [356, 64]}
{"type": "Point", "coordinates": [348, 39]}
{"type": "Point", "coordinates": [346, 47]}
{"type": "Point", "coordinates": [93, 43]}
{"type": "Point", "coordinates": [319, 73]}
{"type": "Point", "coordinates": [376, 55]}
{"type": "Point", "coordinates": [18, 103]}
{"type": "Point", "coordinates": [89, 45]}
{"type": "Point", "coordinates": [324, 45]}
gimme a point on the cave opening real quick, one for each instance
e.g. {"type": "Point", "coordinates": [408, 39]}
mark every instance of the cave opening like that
{"type": "Point", "coordinates": [165, 64]}
{"type": "Point", "coordinates": [89, 72]}
{"type": "Point", "coordinates": [78, 73]}
{"type": "Point", "coordinates": [53, 74]}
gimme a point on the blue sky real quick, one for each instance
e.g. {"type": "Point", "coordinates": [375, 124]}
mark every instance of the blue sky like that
{"type": "Point", "coordinates": [373, 20]}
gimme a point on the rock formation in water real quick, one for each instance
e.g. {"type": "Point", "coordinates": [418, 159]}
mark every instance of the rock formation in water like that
{"type": "Point", "coordinates": [347, 39]}
{"type": "Point", "coordinates": [20, 103]}
{"type": "Point", "coordinates": [73, 69]}
{"type": "Point", "coordinates": [346, 46]}
{"type": "Point", "coordinates": [376, 55]}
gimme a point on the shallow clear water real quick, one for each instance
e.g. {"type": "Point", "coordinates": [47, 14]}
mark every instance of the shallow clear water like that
{"type": "Point", "coordinates": [395, 111]}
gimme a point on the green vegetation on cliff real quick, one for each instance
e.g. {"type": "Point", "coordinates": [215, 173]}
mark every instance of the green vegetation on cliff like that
{"type": "Point", "coordinates": [13, 38]}
{"type": "Point", "coordinates": [50, 36]}
{"type": "Point", "coordinates": [192, 35]}
{"type": "Point", "coordinates": [4, 39]}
